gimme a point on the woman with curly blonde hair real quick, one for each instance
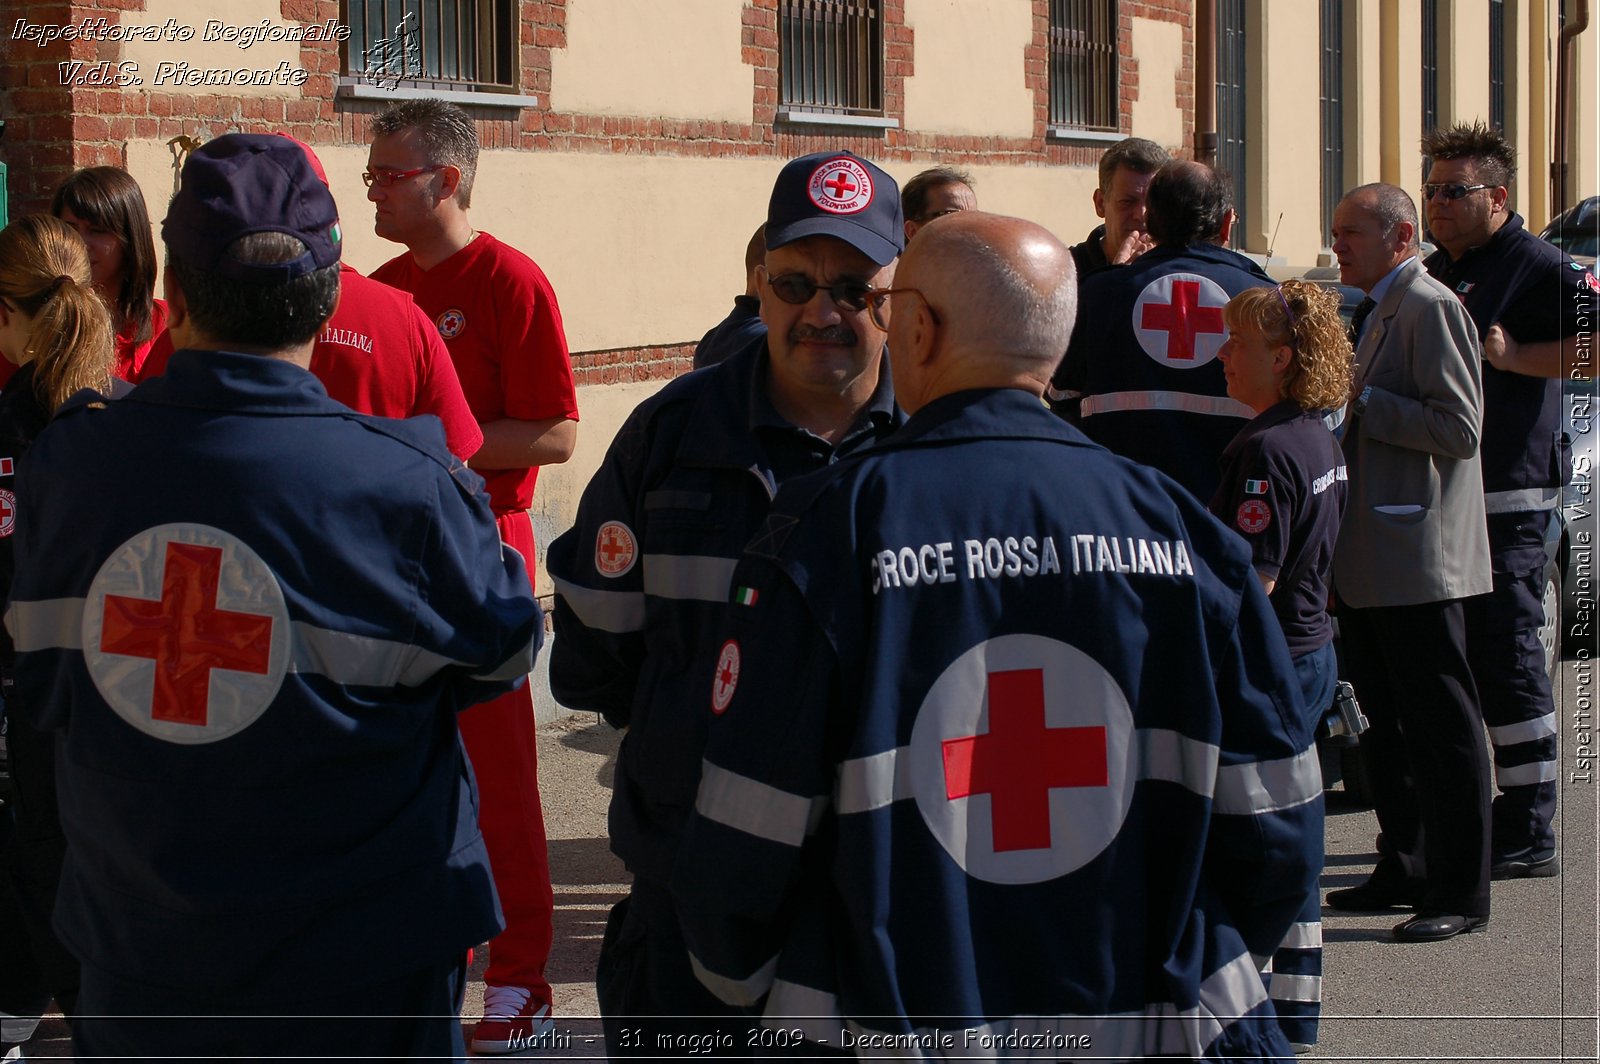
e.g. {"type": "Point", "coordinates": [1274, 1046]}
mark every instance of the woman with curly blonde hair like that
{"type": "Point", "coordinates": [58, 332]}
{"type": "Point", "coordinates": [1288, 358]}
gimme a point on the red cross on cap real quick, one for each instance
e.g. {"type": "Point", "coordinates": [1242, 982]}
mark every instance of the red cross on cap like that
{"type": "Point", "coordinates": [186, 633]}
{"type": "Point", "coordinates": [839, 184]}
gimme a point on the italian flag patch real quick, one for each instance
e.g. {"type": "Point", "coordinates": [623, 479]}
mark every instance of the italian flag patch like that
{"type": "Point", "coordinates": [1255, 487]}
{"type": "Point", "coordinates": [746, 596]}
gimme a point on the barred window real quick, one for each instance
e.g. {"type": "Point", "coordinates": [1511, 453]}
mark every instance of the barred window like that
{"type": "Point", "coordinates": [1331, 14]}
{"type": "Point", "coordinates": [830, 56]}
{"type": "Point", "coordinates": [1232, 78]}
{"type": "Point", "coordinates": [439, 44]}
{"type": "Point", "coordinates": [1497, 64]}
{"type": "Point", "coordinates": [1430, 65]}
{"type": "Point", "coordinates": [1083, 65]}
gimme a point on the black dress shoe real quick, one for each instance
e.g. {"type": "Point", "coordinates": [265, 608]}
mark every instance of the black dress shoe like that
{"type": "Point", "coordinates": [1435, 927]}
{"type": "Point", "coordinates": [1528, 864]}
{"type": "Point", "coordinates": [1378, 892]}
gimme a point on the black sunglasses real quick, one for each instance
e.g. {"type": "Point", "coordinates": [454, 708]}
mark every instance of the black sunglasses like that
{"type": "Point", "coordinates": [1451, 192]}
{"type": "Point", "coordinates": [848, 293]}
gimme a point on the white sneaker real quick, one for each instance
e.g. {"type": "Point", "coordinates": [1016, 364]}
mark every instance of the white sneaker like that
{"type": "Point", "coordinates": [513, 1021]}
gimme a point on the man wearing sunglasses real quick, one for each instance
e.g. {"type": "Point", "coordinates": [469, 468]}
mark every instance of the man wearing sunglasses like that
{"type": "Point", "coordinates": [500, 322]}
{"type": "Point", "coordinates": [643, 577]}
{"type": "Point", "coordinates": [1526, 298]}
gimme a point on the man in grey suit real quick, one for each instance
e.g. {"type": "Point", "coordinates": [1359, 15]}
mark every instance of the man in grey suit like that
{"type": "Point", "coordinates": [1411, 548]}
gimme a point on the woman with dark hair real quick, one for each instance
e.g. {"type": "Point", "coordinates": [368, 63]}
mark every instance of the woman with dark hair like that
{"type": "Point", "coordinates": [1287, 357]}
{"type": "Point", "coordinates": [57, 331]}
{"type": "Point", "coordinates": [106, 206]}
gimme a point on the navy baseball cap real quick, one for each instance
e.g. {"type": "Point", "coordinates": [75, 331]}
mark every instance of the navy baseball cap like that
{"type": "Point", "coordinates": [839, 194]}
{"type": "Point", "coordinates": [244, 183]}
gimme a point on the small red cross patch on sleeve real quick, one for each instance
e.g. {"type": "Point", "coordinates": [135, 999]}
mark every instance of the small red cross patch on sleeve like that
{"type": "Point", "coordinates": [1254, 516]}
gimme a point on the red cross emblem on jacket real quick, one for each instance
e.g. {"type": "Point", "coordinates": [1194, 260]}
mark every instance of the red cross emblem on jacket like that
{"type": "Point", "coordinates": [1022, 760]}
{"type": "Point", "coordinates": [186, 633]}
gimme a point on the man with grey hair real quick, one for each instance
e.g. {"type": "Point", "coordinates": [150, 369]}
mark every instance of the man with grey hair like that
{"type": "Point", "coordinates": [1126, 169]}
{"type": "Point", "coordinates": [935, 193]}
{"type": "Point", "coordinates": [935, 743]}
{"type": "Point", "coordinates": [1412, 547]}
{"type": "Point", "coordinates": [499, 319]}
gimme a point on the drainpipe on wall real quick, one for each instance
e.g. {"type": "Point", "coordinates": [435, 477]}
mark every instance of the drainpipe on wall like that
{"type": "Point", "coordinates": [1205, 82]}
{"type": "Point", "coordinates": [1564, 49]}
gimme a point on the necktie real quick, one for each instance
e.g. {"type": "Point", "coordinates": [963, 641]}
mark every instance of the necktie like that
{"type": "Point", "coordinates": [1362, 310]}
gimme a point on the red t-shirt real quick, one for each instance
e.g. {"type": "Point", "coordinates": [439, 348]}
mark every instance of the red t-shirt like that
{"type": "Point", "coordinates": [380, 355]}
{"type": "Point", "coordinates": [499, 318]}
{"type": "Point", "coordinates": [132, 354]}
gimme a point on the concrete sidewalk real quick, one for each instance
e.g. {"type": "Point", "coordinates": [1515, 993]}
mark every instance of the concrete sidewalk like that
{"type": "Point", "coordinates": [1524, 990]}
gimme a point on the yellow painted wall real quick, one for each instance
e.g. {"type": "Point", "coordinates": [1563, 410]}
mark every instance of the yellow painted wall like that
{"type": "Point", "coordinates": [1158, 47]}
{"type": "Point", "coordinates": [632, 57]}
{"type": "Point", "coordinates": [1400, 45]}
{"type": "Point", "coordinates": [647, 250]}
{"type": "Point", "coordinates": [969, 67]}
{"type": "Point", "coordinates": [1284, 144]}
{"type": "Point", "coordinates": [1363, 94]}
{"type": "Point", "coordinates": [199, 53]}
{"type": "Point", "coordinates": [1463, 61]}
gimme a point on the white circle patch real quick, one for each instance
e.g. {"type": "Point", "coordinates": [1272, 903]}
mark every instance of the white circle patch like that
{"type": "Point", "coordinates": [841, 186]}
{"type": "Point", "coordinates": [1178, 319]}
{"type": "Point", "coordinates": [186, 634]}
{"type": "Point", "coordinates": [8, 513]}
{"type": "Point", "coordinates": [615, 549]}
{"type": "Point", "coordinates": [451, 323]}
{"type": "Point", "coordinates": [1021, 759]}
{"type": "Point", "coordinates": [726, 680]}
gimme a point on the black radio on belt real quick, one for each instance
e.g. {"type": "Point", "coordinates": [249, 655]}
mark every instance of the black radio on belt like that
{"type": "Point", "coordinates": [1345, 716]}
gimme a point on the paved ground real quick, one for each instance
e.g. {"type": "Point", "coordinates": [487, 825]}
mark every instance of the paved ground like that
{"type": "Point", "coordinates": [1525, 990]}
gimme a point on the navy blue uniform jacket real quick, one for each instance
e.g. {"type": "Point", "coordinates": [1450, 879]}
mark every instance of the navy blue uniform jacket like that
{"type": "Point", "coordinates": [1143, 360]}
{"type": "Point", "coordinates": [252, 620]}
{"type": "Point", "coordinates": [1005, 740]}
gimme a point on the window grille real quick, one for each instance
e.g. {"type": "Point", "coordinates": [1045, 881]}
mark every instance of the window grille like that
{"type": "Point", "coordinates": [1083, 64]}
{"type": "Point", "coordinates": [446, 44]}
{"type": "Point", "coordinates": [1497, 63]}
{"type": "Point", "coordinates": [1430, 65]}
{"type": "Point", "coordinates": [1332, 109]}
{"type": "Point", "coordinates": [1231, 103]}
{"type": "Point", "coordinates": [830, 56]}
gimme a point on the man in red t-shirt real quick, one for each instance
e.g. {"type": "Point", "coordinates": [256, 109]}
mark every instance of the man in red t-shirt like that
{"type": "Point", "coordinates": [499, 318]}
{"type": "Point", "coordinates": [378, 354]}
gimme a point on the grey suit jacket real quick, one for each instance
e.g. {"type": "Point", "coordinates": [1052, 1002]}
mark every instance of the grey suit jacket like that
{"type": "Point", "coordinates": [1414, 529]}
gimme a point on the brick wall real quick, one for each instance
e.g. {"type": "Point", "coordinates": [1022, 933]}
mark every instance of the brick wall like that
{"type": "Point", "coordinates": [55, 128]}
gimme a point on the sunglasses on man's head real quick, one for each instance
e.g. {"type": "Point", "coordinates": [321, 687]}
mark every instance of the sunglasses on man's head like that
{"type": "Point", "coordinates": [1450, 192]}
